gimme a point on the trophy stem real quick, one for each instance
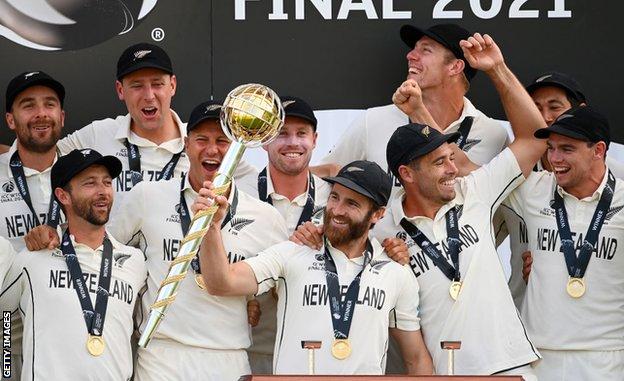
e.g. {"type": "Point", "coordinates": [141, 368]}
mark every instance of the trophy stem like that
{"type": "Point", "coordinates": [189, 246]}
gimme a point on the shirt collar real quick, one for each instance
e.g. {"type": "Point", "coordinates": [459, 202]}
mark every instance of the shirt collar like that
{"type": "Point", "coordinates": [377, 250]}
{"type": "Point", "coordinates": [300, 200]}
{"type": "Point", "coordinates": [27, 171]}
{"type": "Point", "coordinates": [468, 110]}
{"type": "Point", "coordinates": [398, 213]}
{"type": "Point", "coordinates": [173, 146]}
{"type": "Point", "coordinates": [597, 193]}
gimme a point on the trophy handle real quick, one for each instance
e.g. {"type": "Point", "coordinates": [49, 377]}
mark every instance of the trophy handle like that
{"type": "Point", "coordinates": [190, 245]}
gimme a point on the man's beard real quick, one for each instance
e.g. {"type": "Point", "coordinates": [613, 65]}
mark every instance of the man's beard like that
{"type": "Point", "coordinates": [27, 139]}
{"type": "Point", "coordinates": [83, 209]}
{"type": "Point", "coordinates": [353, 232]}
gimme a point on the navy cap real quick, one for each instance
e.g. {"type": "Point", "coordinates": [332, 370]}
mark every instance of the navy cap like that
{"type": "Point", "coordinates": [581, 123]}
{"type": "Point", "coordinates": [29, 79]}
{"type": "Point", "coordinates": [366, 178]}
{"type": "Point", "coordinates": [68, 166]}
{"type": "Point", "coordinates": [413, 141]}
{"type": "Point", "coordinates": [141, 56]}
{"type": "Point", "coordinates": [560, 80]}
{"type": "Point", "coordinates": [447, 35]}
{"type": "Point", "coordinates": [204, 111]}
{"type": "Point", "coordinates": [294, 106]}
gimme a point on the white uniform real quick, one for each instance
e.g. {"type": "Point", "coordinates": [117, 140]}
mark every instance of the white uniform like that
{"type": "Point", "coordinates": [55, 334]}
{"type": "Point", "coordinates": [261, 352]}
{"type": "Point", "coordinates": [483, 318]}
{"type": "Point", "coordinates": [16, 219]}
{"type": "Point", "coordinates": [386, 289]}
{"type": "Point", "coordinates": [367, 137]}
{"type": "Point", "coordinates": [108, 136]}
{"type": "Point", "coordinates": [208, 329]}
{"type": "Point", "coordinates": [556, 321]}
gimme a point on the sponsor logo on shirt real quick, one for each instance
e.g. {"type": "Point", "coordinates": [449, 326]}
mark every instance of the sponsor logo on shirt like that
{"type": "Point", "coordinates": [8, 186]}
{"type": "Point", "coordinates": [318, 264]}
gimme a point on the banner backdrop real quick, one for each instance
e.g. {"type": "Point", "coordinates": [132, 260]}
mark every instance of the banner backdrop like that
{"type": "Point", "coordinates": [337, 54]}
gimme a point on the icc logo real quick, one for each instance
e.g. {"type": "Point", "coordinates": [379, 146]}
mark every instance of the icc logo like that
{"type": "Point", "coordinates": [69, 24]}
{"type": "Point", "coordinates": [8, 187]}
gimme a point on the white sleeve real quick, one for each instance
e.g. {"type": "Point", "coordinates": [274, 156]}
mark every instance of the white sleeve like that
{"type": "Point", "coordinates": [125, 224]}
{"type": "Point", "coordinates": [244, 170]}
{"type": "Point", "coordinates": [13, 285]}
{"type": "Point", "coordinates": [493, 182]}
{"type": "Point", "coordinates": [7, 255]}
{"type": "Point", "coordinates": [270, 265]}
{"type": "Point", "coordinates": [351, 146]}
{"type": "Point", "coordinates": [405, 315]}
{"type": "Point", "coordinates": [79, 139]}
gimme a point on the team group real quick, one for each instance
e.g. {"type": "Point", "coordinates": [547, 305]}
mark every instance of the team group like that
{"type": "Point", "coordinates": [380, 253]}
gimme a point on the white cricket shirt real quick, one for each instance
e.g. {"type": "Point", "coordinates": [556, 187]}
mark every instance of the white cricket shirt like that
{"type": "Point", "coordinates": [16, 219]}
{"type": "Point", "coordinates": [368, 135]}
{"type": "Point", "coordinates": [149, 219]}
{"type": "Point", "coordinates": [386, 288]}
{"type": "Point", "coordinates": [555, 320]}
{"type": "Point", "coordinates": [291, 210]}
{"type": "Point", "coordinates": [483, 318]}
{"type": "Point", "coordinates": [55, 333]}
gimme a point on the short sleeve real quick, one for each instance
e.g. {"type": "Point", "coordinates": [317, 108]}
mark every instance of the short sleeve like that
{"type": "Point", "coordinates": [269, 265]}
{"type": "Point", "coordinates": [405, 315]}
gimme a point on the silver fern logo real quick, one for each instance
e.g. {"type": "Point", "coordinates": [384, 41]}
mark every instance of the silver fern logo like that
{"type": "Point", "coordinates": [141, 54]}
{"type": "Point", "coordinates": [69, 24]}
{"type": "Point", "coordinates": [238, 224]}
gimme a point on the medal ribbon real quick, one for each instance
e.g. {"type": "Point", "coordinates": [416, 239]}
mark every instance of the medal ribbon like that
{"type": "Point", "coordinates": [134, 162]}
{"type": "Point", "coordinates": [308, 209]}
{"type": "Point", "coordinates": [94, 318]}
{"type": "Point", "coordinates": [342, 312]}
{"type": "Point", "coordinates": [185, 218]}
{"type": "Point", "coordinates": [452, 239]}
{"type": "Point", "coordinates": [464, 130]}
{"type": "Point", "coordinates": [577, 265]}
{"type": "Point", "coordinates": [17, 169]}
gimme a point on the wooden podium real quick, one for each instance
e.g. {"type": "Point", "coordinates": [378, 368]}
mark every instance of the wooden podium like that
{"type": "Point", "coordinates": [380, 378]}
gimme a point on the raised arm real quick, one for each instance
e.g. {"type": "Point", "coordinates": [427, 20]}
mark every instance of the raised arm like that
{"type": "Point", "coordinates": [221, 277]}
{"type": "Point", "coordinates": [483, 54]}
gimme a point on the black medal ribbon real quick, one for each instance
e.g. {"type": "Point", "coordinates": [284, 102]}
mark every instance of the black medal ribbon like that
{"type": "Point", "coordinates": [94, 318]}
{"type": "Point", "coordinates": [17, 169]}
{"type": "Point", "coordinates": [464, 130]}
{"type": "Point", "coordinates": [454, 245]}
{"type": "Point", "coordinates": [134, 162]}
{"type": "Point", "coordinates": [578, 265]}
{"type": "Point", "coordinates": [185, 218]}
{"type": "Point", "coordinates": [308, 209]}
{"type": "Point", "coordinates": [342, 312]}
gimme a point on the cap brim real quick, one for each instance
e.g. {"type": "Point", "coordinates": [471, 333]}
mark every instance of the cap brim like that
{"type": "Point", "coordinates": [143, 65]}
{"type": "Point", "coordinates": [53, 84]}
{"type": "Point", "coordinates": [410, 34]}
{"type": "Point", "coordinates": [544, 133]}
{"type": "Point", "coordinates": [536, 85]}
{"type": "Point", "coordinates": [303, 116]}
{"type": "Point", "coordinates": [190, 127]}
{"type": "Point", "coordinates": [349, 184]}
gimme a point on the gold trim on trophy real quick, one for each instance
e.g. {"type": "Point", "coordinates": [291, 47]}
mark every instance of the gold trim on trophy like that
{"type": "Point", "coordinates": [199, 280]}
{"type": "Point", "coordinates": [454, 289]}
{"type": "Point", "coordinates": [575, 287]}
{"type": "Point", "coordinates": [95, 345]}
{"type": "Point", "coordinates": [341, 349]}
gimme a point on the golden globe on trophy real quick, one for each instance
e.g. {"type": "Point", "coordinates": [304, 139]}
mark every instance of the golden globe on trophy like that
{"type": "Point", "coordinates": [251, 115]}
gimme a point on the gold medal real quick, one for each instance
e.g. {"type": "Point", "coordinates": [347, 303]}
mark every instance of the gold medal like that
{"type": "Point", "coordinates": [454, 289]}
{"type": "Point", "coordinates": [575, 287]}
{"type": "Point", "coordinates": [341, 349]}
{"type": "Point", "coordinates": [200, 281]}
{"type": "Point", "coordinates": [95, 345]}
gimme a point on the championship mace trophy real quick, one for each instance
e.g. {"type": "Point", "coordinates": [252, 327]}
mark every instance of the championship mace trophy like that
{"type": "Point", "coordinates": [251, 115]}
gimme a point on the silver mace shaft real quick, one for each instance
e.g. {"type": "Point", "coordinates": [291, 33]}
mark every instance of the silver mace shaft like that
{"type": "Point", "coordinates": [190, 245]}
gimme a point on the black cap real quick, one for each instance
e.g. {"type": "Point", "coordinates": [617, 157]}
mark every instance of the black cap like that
{"type": "Point", "coordinates": [581, 123]}
{"type": "Point", "coordinates": [413, 141]}
{"type": "Point", "coordinates": [366, 178]}
{"type": "Point", "coordinates": [29, 79]}
{"type": "Point", "coordinates": [141, 56]}
{"type": "Point", "coordinates": [204, 111]}
{"type": "Point", "coordinates": [560, 80]}
{"type": "Point", "coordinates": [448, 35]}
{"type": "Point", "coordinates": [294, 106]}
{"type": "Point", "coordinates": [68, 166]}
